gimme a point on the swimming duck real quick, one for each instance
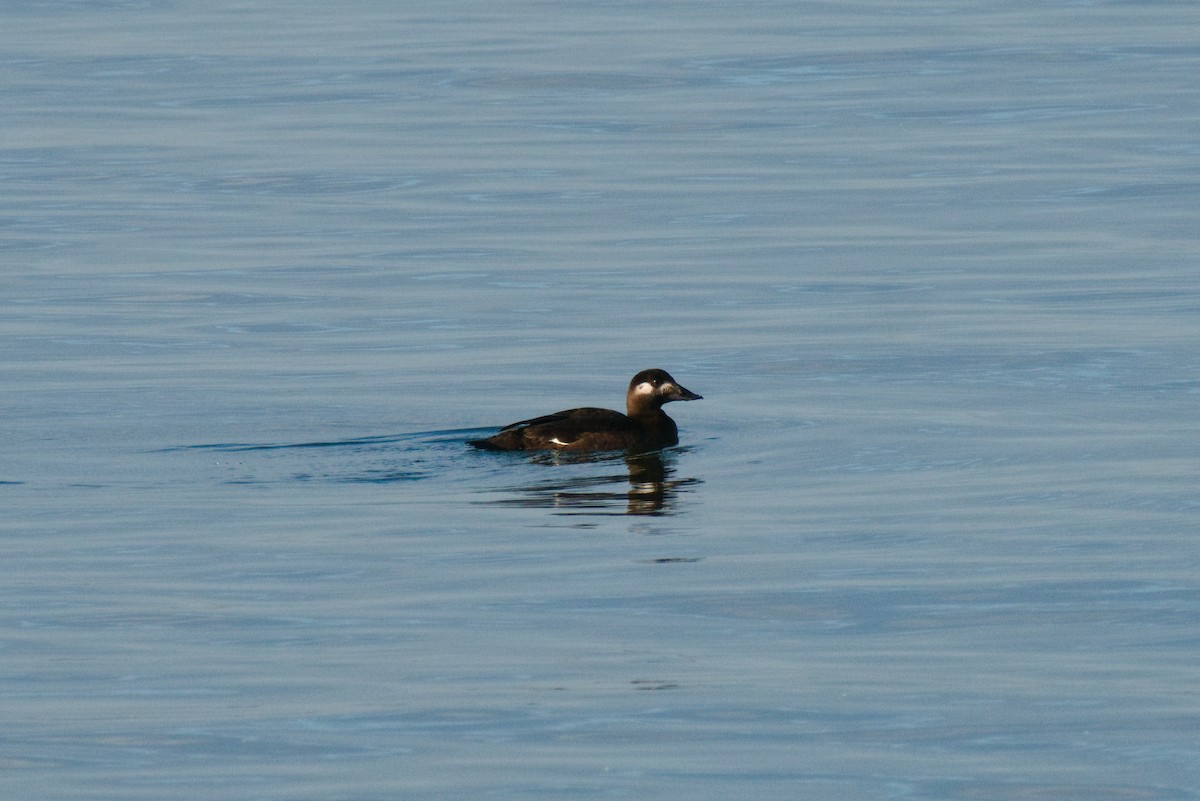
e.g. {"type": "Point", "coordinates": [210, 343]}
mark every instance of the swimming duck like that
{"type": "Point", "coordinates": [643, 427]}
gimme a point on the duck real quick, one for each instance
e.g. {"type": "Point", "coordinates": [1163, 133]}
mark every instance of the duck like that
{"type": "Point", "coordinates": [644, 426]}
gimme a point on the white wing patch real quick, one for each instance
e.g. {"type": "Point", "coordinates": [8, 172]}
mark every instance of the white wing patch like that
{"type": "Point", "coordinates": [557, 441]}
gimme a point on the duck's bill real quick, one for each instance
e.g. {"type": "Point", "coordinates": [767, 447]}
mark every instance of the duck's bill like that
{"type": "Point", "coordinates": [678, 393]}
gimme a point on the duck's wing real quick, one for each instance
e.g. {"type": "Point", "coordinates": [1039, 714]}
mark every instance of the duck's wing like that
{"type": "Point", "coordinates": [599, 429]}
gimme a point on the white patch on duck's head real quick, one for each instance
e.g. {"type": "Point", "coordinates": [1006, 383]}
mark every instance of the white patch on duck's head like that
{"type": "Point", "coordinates": [645, 388]}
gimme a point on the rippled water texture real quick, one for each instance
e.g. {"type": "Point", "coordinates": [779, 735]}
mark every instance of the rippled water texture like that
{"type": "Point", "coordinates": [930, 534]}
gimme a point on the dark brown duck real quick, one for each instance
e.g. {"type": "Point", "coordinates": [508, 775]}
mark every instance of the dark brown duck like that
{"type": "Point", "coordinates": [643, 427]}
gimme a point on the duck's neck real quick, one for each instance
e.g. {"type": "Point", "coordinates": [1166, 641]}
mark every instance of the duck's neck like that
{"type": "Point", "coordinates": [639, 407]}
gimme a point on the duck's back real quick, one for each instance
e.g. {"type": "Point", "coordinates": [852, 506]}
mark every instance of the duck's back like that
{"type": "Point", "coordinates": [584, 429]}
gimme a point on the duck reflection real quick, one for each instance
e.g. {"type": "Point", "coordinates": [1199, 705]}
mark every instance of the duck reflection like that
{"type": "Point", "coordinates": [647, 486]}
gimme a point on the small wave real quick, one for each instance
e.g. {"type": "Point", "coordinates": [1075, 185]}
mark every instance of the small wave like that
{"type": "Point", "coordinates": [438, 436]}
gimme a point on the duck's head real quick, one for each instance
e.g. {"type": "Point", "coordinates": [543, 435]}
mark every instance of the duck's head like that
{"type": "Point", "coordinates": [650, 389]}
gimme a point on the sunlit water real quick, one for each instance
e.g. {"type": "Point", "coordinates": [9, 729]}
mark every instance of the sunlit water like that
{"type": "Point", "coordinates": [931, 534]}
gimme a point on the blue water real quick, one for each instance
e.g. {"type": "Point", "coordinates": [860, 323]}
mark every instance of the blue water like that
{"type": "Point", "coordinates": [932, 533]}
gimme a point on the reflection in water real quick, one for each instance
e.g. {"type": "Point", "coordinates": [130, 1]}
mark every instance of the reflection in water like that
{"type": "Point", "coordinates": [645, 487]}
{"type": "Point", "coordinates": [580, 483]}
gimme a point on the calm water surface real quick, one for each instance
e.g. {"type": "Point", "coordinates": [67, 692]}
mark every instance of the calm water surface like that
{"type": "Point", "coordinates": [931, 534]}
